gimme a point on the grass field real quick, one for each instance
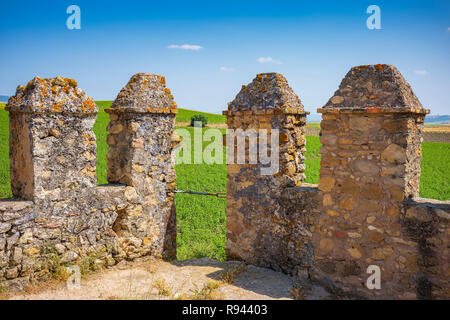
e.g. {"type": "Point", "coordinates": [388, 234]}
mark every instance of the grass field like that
{"type": "Point", "coordinates": [201, 219]}
{"type": "Point", "coordinates": [435, 173]}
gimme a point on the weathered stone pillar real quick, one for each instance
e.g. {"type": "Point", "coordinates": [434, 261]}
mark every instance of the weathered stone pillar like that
{"type": "Point", "coordinates": [258, 230]}
{"type": "Point", "coordinates": [371, 135]}
{"type": "Point", "coordinates": [53, 152]}
{"type": "Point", "coordinates": [142, 120]}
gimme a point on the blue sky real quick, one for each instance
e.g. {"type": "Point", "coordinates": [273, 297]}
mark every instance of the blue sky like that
{"type": "Point", "coordinates": [312, 43]}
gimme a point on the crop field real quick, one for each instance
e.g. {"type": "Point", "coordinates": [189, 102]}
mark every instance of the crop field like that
{"type": "Point", "coordinates": [201, 219]}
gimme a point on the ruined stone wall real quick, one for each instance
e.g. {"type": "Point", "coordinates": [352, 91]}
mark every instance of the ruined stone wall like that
{"type": "Point", "coordinates": [59, 215]}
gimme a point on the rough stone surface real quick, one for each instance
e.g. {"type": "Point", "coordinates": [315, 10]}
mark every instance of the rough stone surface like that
{"type": "Point", "coordinates": [67, 217]}
{"type": "Point", "coordinates": [253, 204]}
{"type": "Point", "coordinates": [361, 213]}
{"type": "Point", "coordinates": [266, 91]}
{"type": "Point", "coordinates": [140, 156]}
{"type": "Point", "coordinates": [53, 157]}
{"type": "Point", "coordinates": [144, 93]}
{"type": "Point", "coordinates": [56, 95]}
{"type": "Point", "coordinates": [374, 86]}
{"type": "Point", "coordinates": [370, 165]}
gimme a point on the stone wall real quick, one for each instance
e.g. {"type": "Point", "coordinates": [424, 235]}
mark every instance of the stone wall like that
{"type": "Point", "coordinates": [365, 210]}
{"type": "Point", "coordinates": [253, 203]}
{"type": "Point", "coordinates": [59, 214]}
{"type": "Point", "coordinates": [140, 156]}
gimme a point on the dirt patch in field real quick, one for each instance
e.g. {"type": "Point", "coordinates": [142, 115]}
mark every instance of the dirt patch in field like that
{"type": "Point", "coordinates": [443, 128]}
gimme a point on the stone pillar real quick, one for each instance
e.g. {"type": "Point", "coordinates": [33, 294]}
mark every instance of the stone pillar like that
{"type": "Point", "coordinates": [142, 120]}
{"type": "Point", "coordinates": [257, 226]}
{"type": "Point", "coordinates": [371, 135]}
{"type": "Point", "coordinates": [53, 153]}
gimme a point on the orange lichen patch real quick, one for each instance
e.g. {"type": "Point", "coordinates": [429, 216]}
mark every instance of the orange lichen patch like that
{"type": "Point", "coordinates": [374, 110]}
{"type": "Point", "coordinates": [167, 90]}
{"type": "Point", "coordinates": [88, 105]}
{"type": "Point", "coordinates": [362, 68]}
{"type": "Point", "coordinates": [287, 110]}
{"type": "Point", "coordinates": [379, 67]}
{"type": "Point", "coordinates": [57, 107]}
{"type": "Point", "coordinates": [161, 110]}
{"type": "Point", "coordinates": [54, 89]}
{"type": "Point", "coordinates": [174, 105]}
{"type": "Point", "coordinates": [71, 82]}
{"type": "Point", "coordinates": [373, 96]}
{"type": "Point", "coordinates": [170, 96]}
{"type": "Point", "coordinates": [162, 80]}
{"type": "Point", "coordinates": [278, 110]}
{"type": "Point", "coordinates": [67, 89]}
{"type": "Point", "coordinates": [263, 89]}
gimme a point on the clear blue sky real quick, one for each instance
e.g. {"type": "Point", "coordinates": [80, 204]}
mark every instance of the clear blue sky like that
{"type": "Point", "coordinates": [312, 43]}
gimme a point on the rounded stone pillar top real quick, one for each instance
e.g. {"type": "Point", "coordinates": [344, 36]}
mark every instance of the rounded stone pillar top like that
{"type": "Point", "coordinates": [144, 93]}
{"type": "Point", "coordinates": [52, 95]}
{"type": "Point", "coordinates": [268, 92]}
{"type": "Point", "coordinates": [378, 88]}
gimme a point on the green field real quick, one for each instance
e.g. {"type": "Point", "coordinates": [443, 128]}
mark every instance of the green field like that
{"type": "Point", "coordinates": [313, 124]}
{"type": "Point", "coordinates": [184, 115]}
{"type": "Point", "coordinates": [201, 219]}
{"type": "Point", "coordinates": [435, 173]}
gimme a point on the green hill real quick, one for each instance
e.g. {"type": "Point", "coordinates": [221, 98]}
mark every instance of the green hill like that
{"type": "Point", "coordinates": [183, 116]}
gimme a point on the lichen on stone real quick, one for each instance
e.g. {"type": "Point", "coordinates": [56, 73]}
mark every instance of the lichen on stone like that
{"type": "Point", "coordinates": [58, 95]}
{"type": "Point", "coordinates": [144, 91]}
{"type": "Point", "coordinates": [379, 86]}
{"type": "Point", "coordinates": [266, 91]}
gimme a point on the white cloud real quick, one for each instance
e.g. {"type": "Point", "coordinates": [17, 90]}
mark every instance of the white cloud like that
{"type": "Point", "coordinates": [421, 72]}
{"type": "Point", "coordinates": [185, 47]}
{"type": "Point", "coordinates": [448, 29]}
{"type": "Point", "coordinates": [268, 60]}
{"type": "Point", "coordinates": [226, 69]}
